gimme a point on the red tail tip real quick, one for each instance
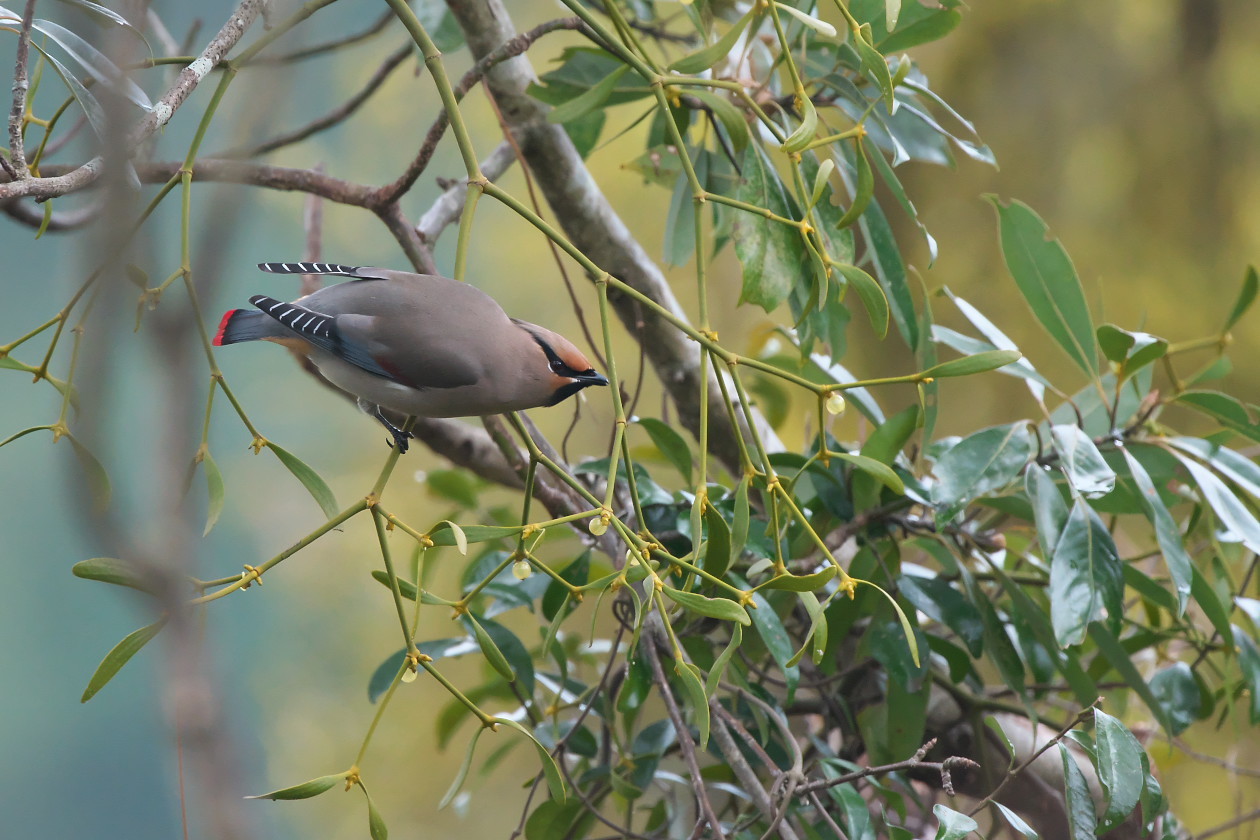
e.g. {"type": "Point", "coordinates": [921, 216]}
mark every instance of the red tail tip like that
{"type": "Point", "coordinates": [227, 316]}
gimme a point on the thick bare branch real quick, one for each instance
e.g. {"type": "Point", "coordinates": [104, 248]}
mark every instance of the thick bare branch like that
{"type": "Point", "coordinates": [592, 224]}
{"type": "Point", "coordinates": [445, 211]}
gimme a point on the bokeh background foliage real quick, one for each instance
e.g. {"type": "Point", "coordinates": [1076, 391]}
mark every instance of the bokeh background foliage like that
{"type": "Point", "coordinates": [1106, 550]}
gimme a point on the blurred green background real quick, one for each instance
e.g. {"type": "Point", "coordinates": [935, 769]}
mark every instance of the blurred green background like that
{"type": "Point", "coordinates": [1132, 127]}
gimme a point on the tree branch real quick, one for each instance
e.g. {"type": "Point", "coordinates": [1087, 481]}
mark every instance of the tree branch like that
{"type": "Point", "coordinates": [21, 83]}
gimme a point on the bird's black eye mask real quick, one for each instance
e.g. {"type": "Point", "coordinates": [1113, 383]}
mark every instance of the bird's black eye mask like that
{"type": "Point", "coordinates": [583, 378]}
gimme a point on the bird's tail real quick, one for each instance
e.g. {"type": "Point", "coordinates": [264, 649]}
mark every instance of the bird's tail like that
{"type": "Point", "coordinates": [243, 325]}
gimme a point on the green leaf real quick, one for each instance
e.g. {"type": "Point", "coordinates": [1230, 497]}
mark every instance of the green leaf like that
{"type": "Point", "coordinates": [704, 58]}
{"type": "Point", "coordinates": [906, 626]}
{"type": "Point", "coordinates": [490, 650]}
{"type": "Point", "coordinates": [1037, 384]}
{"type": "Point", "coordinates": [590, 100]}
{"type": "Point", "coordinates": [722, 608]}
{"type": "Point", "coordinates": [743, 513]}
{"type": "Point", "coordinates": [717, 552]}
{"type": "Point", "coordinates": [97, 478]}
{"type": "Point", "coordinates": [1086, 470]}
{"type": "Point", "coordinates": [872, 295]}
{"type": "Point", "coordinates": [1130, 351]}
{"type": "Point", "coordinates": [671, 444]}
{"type": "Point", "coordinates": [1045, 276]}
{"type": "Point", "coordinates": [310, 480]}
{"type": "Point", "coordinates": [305, 790]}
{"type": "Point", "coordinates": [110, 570]}
{"type": "Point", "coordinates": [1017, 822]}
{"type": "Point", "coordinates": [875, 469]}
{"type": "Point", "coordinates": [874, 65]}
{"type": "Point", "coordinates": [731, 118]}
{"type": "Point", "coordinates": [1233, 514]}
{"type": "Point", "coordinates": [1246, 297]}
{"type": "Point", "coordinates": [689, 675]}
{"type": "Point", "coordinates": [938, 23]}
{"type": "Point", "coordinates": [119, 656]}
{"type": "Point", "coordinates": [458, 486]}
{"type": "Point", "coordinates": [680, 223]}
{"type": "Point", "coordinates": [1249, 662]}
{"type": "Point", "coordinates": [953, 825]}
{"type": "Point", "coordinates": [448, 533]}
{"type": "Point", "coordinates": [1171, 543]}
{"type": "Point", "coordinates": [1178, 692]}
{"type": "Point", "coordinates": [800, 583]}
{"type": "Point", "coordinates": [775, 638]}
{"type": "Point", "coordinates": [968, 365]}
{"type": "Point", "coordinates": [1082, 821]}
{"type": "Point", "coordinates": [377, 829]}
{"type": "Point", "coordinates": [890, 270]}
{"type": "Point", "coordinates": [1050, 512]}
{"type": "Point", "coordinates": [1086, 576]}
{"type": "Point", "coordinates": [1237, 468]}
{"type": "Point", "coordinates": [214, 487]}
{"type": "Point", "coordinates": [1119, 759]}
{"type": "Point", "coordinates": [464, 766]}
{"type": "Point", "coordinates": [939, 600]}
{"type": "Point", "coordinates": [724, 658]}
{"type": "Point", "coordinates": [1231, 413]}
{"type": "Point", "coordinates": [982, 463]}
{"type": "Point", "coordinates": [555, 782]}
{"type": "Point", "coordinates": [804, 133]}
{"type": "Point", "coordinates": [769, 251]}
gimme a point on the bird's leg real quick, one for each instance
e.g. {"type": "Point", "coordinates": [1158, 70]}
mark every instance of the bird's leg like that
{"type": "Point", "coordinates": [401, 437]}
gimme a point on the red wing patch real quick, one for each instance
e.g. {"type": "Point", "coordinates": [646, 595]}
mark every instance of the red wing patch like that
{"type": "Point", "coordinates": [227, 316]}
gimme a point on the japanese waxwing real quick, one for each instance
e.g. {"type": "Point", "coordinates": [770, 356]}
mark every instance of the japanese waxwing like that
{"type": "Point", "coordinates": [417, 344]}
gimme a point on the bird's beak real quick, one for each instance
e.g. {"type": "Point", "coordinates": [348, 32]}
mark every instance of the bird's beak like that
{"type": "Point", "coordinates": [591, 378]}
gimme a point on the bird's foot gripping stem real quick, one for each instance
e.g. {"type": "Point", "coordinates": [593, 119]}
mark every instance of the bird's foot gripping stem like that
{"type": "Point", "coordinates": [401, 438]}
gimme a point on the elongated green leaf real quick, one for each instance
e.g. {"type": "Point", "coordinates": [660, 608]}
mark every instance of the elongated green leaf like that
{"type": "Point", "coordinates": [939, 600]}
{"type": "Point", "coordinates": [1082, 462]}
{"type": "Point", "coordinates": [1119, 757]}
{"type": "Point", "coordinates": [872, 295]}
{"type": "Point", "coordinates": [680, 223]}
{"type": "Point", "coordinates": [1246, 297]}
{"type": "Point", "coordinates": [448, 533]}
{"type": "Point", "coordinates": [717, 552]}
{"type": "Point", "coordinates": [1086, 576]}
{"type": "Point", "coordinates": [890, 270]}
{"type": "Point", "coordinates": [985, 462]}
{"type": "Point", "coordinates": [377, 829]}
{"type": "Point", "coordinates": [97, 478]}
{"type": "Point", "coordinates": [1231, 413]}
{"type": "Point", "coordinates": [555, 782]}
{"type": "Point", "coordinates": [1082, 821]}
{"type": "Point", "coordinates": [770, 252]}
{"type": "Point", "coordinates": [722, 608]}
{"type": "Point", "coordinates": [953, 825]}
{"type": "Point", "coordinates": [462, 773]}
{"type": "Point", "coordinates": [906, 626]}
{"type": "Point", "coordinates": [1179, 694]}
{"type": "Point", "coordinates": [775, 638]}
{"type": "Point", "coordinates": [1045, 276]}
{"type": "Point", "coordinates": [214, 487]}
{"type": "Point", "coordinates": [1233, 514]}
{"type": "Point", "coordinates": [1017, 822]}
{"type": "Point", "coordinates": [731, 118]}
{"type": "Point", "coordinates": [704, 58]}
{"type": "Point", "coordinates": [968, 365]}
{"type": "Point", "coordinates": [110, 570]}
{"type": "Point", "coordinates": [305, 790]}
{"type": "Point", "coordinates": [1249, 662]}
{"type": "Point", "coordinates": [1237, 468]}
{"type": "Point", "coordinates": [120, 656]}
{"type": "Point", "coordinates": [1130, 351]}
{"type": "Point", "coordinates": [590, 100]}
{"type": "Point", "coordinates": [1037, 384]}
{"type": "Point", "coordinates": [801, 583]}
{"type": "Point", "coordinates": [874, 64]}
{"type": "Point", "coordinates": [724, 658]}
{"type": "Point", "coordinates": [310, 480]}
{"type": "Point", "coordinates": [1050, 512]}
{"type": "Point", "coordinates": [689, 676]}
{"type": "Point", "coordinates": [875, 469]}
{"type": "Point", "coordinates": [743, 513]}
{"type": "Point", "coordinates": [804, 132]}
{"type": "Point", "coordinates": [489, 649]}
{"type": "Point", "coordinates": [1168, 535]}
{"type": "Point", "coordinates": [670, 443]}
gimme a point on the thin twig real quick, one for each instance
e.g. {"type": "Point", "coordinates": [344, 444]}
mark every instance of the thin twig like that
{"type": "Point", "coordinates": [21, 82]}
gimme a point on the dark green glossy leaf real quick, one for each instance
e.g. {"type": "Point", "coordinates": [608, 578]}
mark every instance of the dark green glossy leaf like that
{"type": "Point", "coordinates": [1167, 533]}
{"type": "Point", "coordinates": [305, 790]}
{"type": "Point", "coordinates": [953, 825]}
{"type": "Point", "coordinates": [120, 656]}
{"type": "Point", "coordinates": [1178, 692]}
{"type": "Point", "coordinates": [1050, 512]}
{"type": "Point", "coordinates": [514, 652]}
{"type": "Point", "coordinates": [1226, 410]}
{"type": "Point", "coordinates": [770, 252]}
{"type": "Point", "coordinates": [555, 782]}
{"type": "Point", "coordinates": [490, 650]}
{"type": "Point", "coordinates": [983, 463]}
{"type": "Point", "coordinates": [310, 480]}
{"type": "Point", "coordinates": [680, 223]}
{"type": "Point", "coordinates": [875, 469]}
{"type": "Point", "coordinates": [890, 271]}
{"type": "Point", "coordinates": [1082, 821]}
{"type": "Point", "coordinates": [1228, 507]}
{"type": "Point", "coordinates": [593, 98]}
{"type": "Point", "coordinates": [1045, 276]}
{"type": "Point", "coordinates": [775, 638]}
{"type": "Point", "coordinates": [722, 608]}
{"type": "Point", "coordinates": [940, 601]}
{"type": "Point", "coordinates": [671, 444]}
{"type": "Point", "coordinates": [1083, 464]}
{"type": "Point", "coordinates": [1119, 759]}
{"type": "Point", "coordinates": [689, 676]}
{"type": "Point", "coordinates": [1017, 822]}
{"type": "Point", "coordinates": [1086, 576]}
{"type": "Point", "coordinates": [717, 551]}
{"type": "Point", "coordinates": [1237, 468]}
{"type": "Point", "coordinates": [1131, 351]}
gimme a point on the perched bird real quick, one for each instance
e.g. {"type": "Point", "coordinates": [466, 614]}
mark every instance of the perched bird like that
{"type": "Point", "coordinates": [417, 344]}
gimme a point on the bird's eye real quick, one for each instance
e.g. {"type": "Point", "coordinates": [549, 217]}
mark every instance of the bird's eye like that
{"type": "Point", "coordinates": [557, 366]}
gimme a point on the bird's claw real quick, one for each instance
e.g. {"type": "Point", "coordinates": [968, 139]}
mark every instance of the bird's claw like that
{"type": "Point", "coordinates": [400, 440]}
